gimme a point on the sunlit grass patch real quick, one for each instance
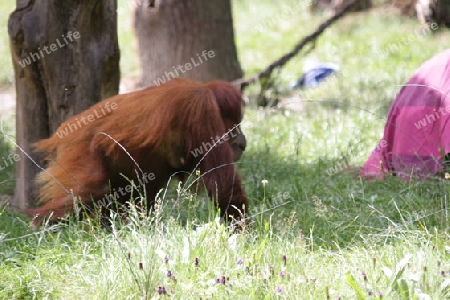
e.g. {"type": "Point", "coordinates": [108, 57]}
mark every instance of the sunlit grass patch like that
{"type": "Point", "coordinates": [315, 231]}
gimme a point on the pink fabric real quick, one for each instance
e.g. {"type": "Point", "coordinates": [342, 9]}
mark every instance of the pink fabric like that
{"type": "Point", "coordinates": [417, 131]}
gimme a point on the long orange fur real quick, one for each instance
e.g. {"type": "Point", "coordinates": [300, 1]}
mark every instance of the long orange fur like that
{"type": "Point", "coordinates": [158, 127]}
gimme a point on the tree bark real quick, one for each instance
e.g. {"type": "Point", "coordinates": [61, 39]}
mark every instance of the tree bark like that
{"type": "Point", "coordinates": [66, 58]}
{"type": "Point", "coordinates": [189, 39]}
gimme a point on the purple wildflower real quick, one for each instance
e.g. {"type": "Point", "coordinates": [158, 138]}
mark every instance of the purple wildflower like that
{"type": "Point", "coordinates": [240, 261]}
{"type": "Point", "coordinates": [196, 261]}
{"type": "Point", "coordinates": [161, 290]}
{"type": "Point", "coordinates": [221, 280]}
{"type": "Point", "coordinates": [364, 275]}
{"type": "Point", "coordinates": [279, 289]}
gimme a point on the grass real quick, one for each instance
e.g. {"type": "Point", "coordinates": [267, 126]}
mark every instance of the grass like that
{"type": "Point", "coordinates": [343, 238]}
{"type": "Point", "coordinates": [7, 162]}
{"type": "Point", "coordinates": [6, 72]}
{"type": "Point", "coordinates": [150, 255]}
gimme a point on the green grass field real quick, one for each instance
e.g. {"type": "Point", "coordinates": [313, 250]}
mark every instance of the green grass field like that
{"type": "Point", "coordinates": [315, 234]}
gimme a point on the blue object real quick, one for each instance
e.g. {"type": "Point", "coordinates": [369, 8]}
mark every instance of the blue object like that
{"type": "Point", "coordinates": [313, 76]}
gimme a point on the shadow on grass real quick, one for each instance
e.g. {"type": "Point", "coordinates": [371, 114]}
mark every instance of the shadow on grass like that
{"type": "Point", "coordinates": [332, 209]}
{"type": "Point", "coordinates": [7, 167]}
{"type": "Point", "coordinates": [7, 161]}
{"type": "Point", "coordinates": [335, 207]}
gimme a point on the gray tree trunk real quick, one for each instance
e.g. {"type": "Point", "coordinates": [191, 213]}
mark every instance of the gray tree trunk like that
{"type": "Point", "coordinates": [189, 39]}
{"type": "Point", "coordinates": [66, 58]}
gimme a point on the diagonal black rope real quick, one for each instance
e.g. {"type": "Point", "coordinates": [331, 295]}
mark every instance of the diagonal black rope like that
{"type": "Point", "coordinates": [242, 83]}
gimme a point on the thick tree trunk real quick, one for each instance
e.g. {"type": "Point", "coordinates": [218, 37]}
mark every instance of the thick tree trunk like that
{"type": "Point", "coordinates": [190, 39]}
{"type": "Point", "coordinates": [66, 58]}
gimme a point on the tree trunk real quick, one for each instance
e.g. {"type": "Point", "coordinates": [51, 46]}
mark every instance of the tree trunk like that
{"type": "Point", "coordinates": [189, 39]}
{"type": "Point", "coordinates": [66, 58]}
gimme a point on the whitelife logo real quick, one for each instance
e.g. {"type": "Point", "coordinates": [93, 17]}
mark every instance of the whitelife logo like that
{"type": "Point", "coordinates": [62, 132]}
{"type": "Point", "coordinates": [187, 67]}
{"type": "Point", "coordinates": [432, 118]}
{"type": "Point", "coordinates": [34, 57]}
{"type": "Point", "coordinates": [219, 140]}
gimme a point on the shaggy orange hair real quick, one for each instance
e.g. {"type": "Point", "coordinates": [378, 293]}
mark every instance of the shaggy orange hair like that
{"type": "Point", "coordinates": [159, 127]}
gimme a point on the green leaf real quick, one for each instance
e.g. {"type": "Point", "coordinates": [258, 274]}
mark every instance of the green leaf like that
{"type": "Point", "coordinates": [396, 275]}
{"type": "Point", "coordinates": [355, 286]}
{"type": "Point", "coordinates": [402, 287]}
